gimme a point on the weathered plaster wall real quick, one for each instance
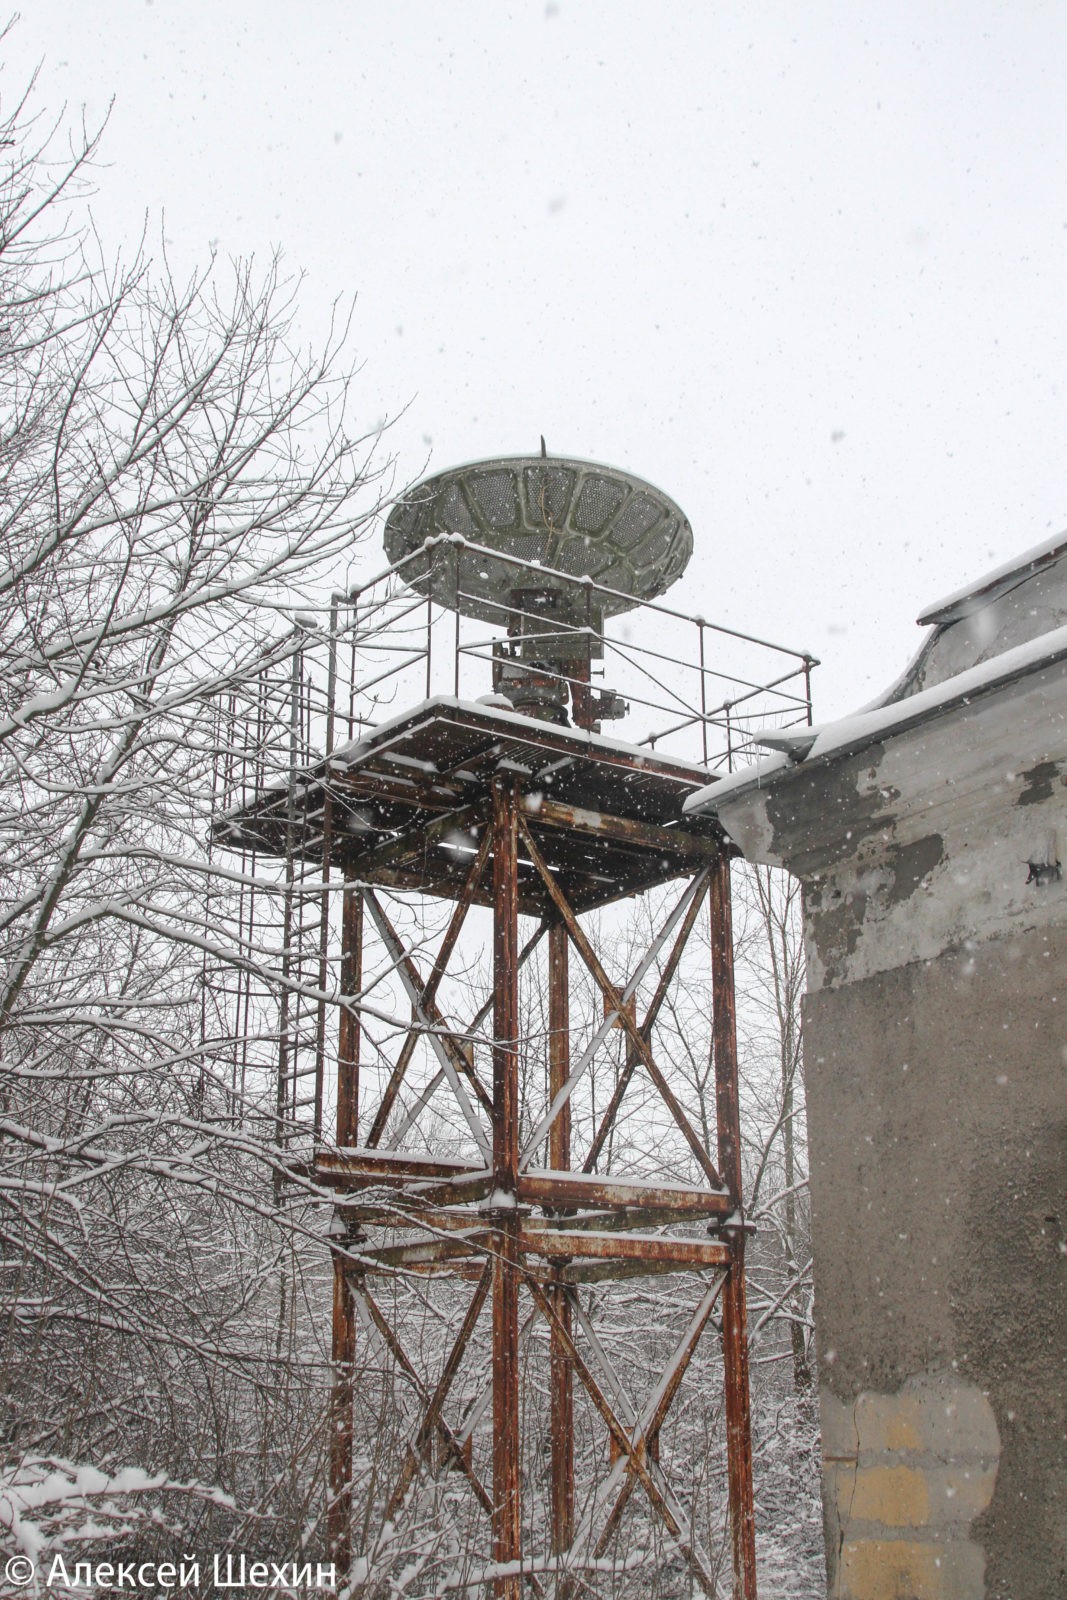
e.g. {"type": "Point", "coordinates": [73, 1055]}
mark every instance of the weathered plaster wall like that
{"type": "Point", "coordinates": [920, 843]}
{"type": "Point", "coordinates": [937, 1116]}
{"type": "Point", "coordinates": [935, 1052]}
{"type": "Point", "coordinates": [906, 1474]}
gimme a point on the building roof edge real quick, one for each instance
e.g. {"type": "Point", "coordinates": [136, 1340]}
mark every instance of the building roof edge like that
{"type": "Point", "coordinates": [853, 733]}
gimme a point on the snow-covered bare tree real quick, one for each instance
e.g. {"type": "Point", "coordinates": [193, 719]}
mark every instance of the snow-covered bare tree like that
{"type": "Point", "coordinates": [175, 475]}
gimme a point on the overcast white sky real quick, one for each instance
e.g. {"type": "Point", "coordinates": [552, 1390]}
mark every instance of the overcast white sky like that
{"type": "Point", "coordinates": [802, 266]}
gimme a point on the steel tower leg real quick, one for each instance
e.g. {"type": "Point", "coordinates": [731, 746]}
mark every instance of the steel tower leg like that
{"type": "Point", "coordinates": [559, 1159]}
{"type": "Point", "coordinates": [339, 1518]}
{"type": "Point", "coordinates": [507, 1521]}
{"type": "Point", "coordinates": [343, 1344]}
{"type": "Point", "coordinates": [348, 1033]}
{"type": "Point", "coordinates": [734, 1327]}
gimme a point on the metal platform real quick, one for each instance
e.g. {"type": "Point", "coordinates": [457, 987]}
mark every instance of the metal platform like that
{"type": "Point", "coordinates": [407, 807]}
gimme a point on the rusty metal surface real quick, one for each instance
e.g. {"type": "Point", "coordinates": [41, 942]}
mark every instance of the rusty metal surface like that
{"type": "Point", "coordinates": [734, 1328]}
{"type": "Point", "coordinates": [636, 1457]}
{"type": "Point", "coordinates": [617, 1004]}
{"type": "Point", "coordinates": [416, 1451]}
{"type": "Point", "coordinates": [632, 1054]}
{"type": "Point", "coordinates": [561, 1399]}
{"type": "Point", "coordinates": [507, 1441]}
{"type": "Point", "coordinates": [452, 1443]}
{"type": "Point", "coordinates": [408, 780]}
{"type": "Point", "coordinates": [565, 1244]}
{"type": "Point", "coordinates": [449, 1051]}
{"type": "Point", "coordinates": [343, 1355]}
{"type": "Point", "coordinates": [416, 1176]}
{"type": "Point", "coordinates": [738, 1427]}
{"type": "Point", "coordinates": [558, 1190]}
{"type": "Point", "coordinates": [448, 945]}
{"type": "Point", "coordinates": [646, 1427]}
{"type": "Point", "coordinates": [601, 855]}
{"type": "Point", "coordinates": [724, 1028]}
{"type": "Point", "coordinates": [359, 1167]}
{"type": "Point", "coordinates": [559, 1046]}
{"type": "Point", "coordinates": [529, 1236]}
{"type": "Point", "coordinates": [690, 849]}
{"type": "Point", "coordinates": [348, 1028]}
{"type": "Point", "coordinates": [462, 735]}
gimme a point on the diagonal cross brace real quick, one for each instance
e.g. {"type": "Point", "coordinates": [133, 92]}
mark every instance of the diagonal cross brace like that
{"type": "Point", "coordinates": [455, 1441]}
{"type": "Point", "coordinates": [655, 1409]}
{"type": "Point", "coordinates": [429, 993]}
{"type": "Point", "coordinates": [581, 1066]}
{"type": "Point", "coordinates": [412, 1115]}
{"type": "Point", "coordinates": [417, 1447]}
{"type": "Point", "coordinates": [616, 1004]}
{"type": "Point", "coordinates": [657, 1492]}
{"type": "Point", "coordinates": [452, 1059]}
{"type": "Point", "coordinates": [644, 1425]}
{"type": "Point", "coordinates": [453, 1444]}
{"type": "Point", "coordinates": [607, 1121]}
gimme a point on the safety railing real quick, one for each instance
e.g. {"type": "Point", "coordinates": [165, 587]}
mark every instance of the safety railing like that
{"type": "Point", "coordinates": [702, 691]}
{"type": "Point", "coordinates": [698, 689]}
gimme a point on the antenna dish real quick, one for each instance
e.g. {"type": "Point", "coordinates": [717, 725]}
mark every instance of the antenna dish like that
{"type": "Point", "coordinates": [576, 519]}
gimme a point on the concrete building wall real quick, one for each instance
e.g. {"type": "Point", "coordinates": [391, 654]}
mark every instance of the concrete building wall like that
{"type": "Point", "coordinates": [935, 1055]}
{"type": "Point", "coordinates": [937, 1173]}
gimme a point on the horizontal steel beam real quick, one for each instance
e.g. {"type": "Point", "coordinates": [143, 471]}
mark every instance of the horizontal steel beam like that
{"type": "Point", "coordinates": [395, 852]}
{"type": "Point", "coordinates": [427, 1253]}
{"type": "Point", "coordinates": [552, 1242]}
{"type": "Point", "coordinates": [443, 1184]}
{"type": "Point", "coordinates": [542, 737]}
{"type": "Point", "coordinates": [363, 1165]}
{"type": "Point", "coordinates": [620, 830]}
{"type": "Point", "coordinates": [561, 1190]}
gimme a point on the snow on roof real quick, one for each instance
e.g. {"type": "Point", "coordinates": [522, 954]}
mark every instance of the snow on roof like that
{"type": "Point", "coordinates": [995, 583]}
{"type": "Point", "coordinates": [751, 777]}
{"type": "Point", "coordinates": [863, 727]}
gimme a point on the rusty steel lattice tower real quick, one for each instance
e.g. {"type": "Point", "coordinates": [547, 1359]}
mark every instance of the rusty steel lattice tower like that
{"type": "Point", "coordinates": [517, 802]}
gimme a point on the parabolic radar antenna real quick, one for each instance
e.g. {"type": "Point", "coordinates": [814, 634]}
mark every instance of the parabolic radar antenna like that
{"type": "Point", "coordinates": [547, 547]}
